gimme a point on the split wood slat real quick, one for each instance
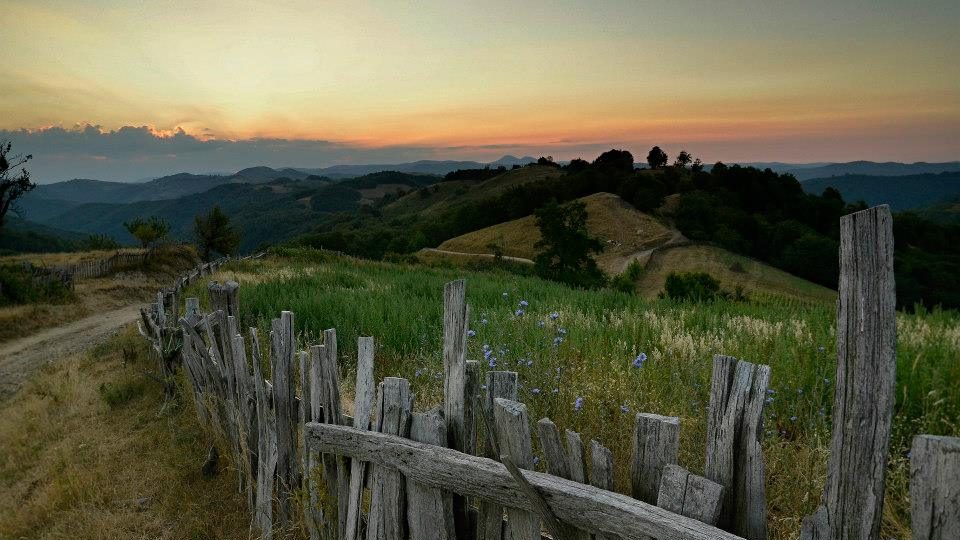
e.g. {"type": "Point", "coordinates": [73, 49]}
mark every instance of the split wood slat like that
{"type": "Point", "coordinates": [387, 518]}
{"type": "Point", "coordinates": [429, 510]}
{"type": "Point", "coordinates": [656, 442]}
{"type": "Point", "coordinates": [690, 495]}
{"type": "Point", "coordinates": [935, 487]}
{"type": "Point", "coordinates": [513, 439]}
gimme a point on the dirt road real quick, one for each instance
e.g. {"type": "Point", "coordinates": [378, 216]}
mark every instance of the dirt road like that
{"type": "Point", "coordinates": [20, 357]}
{"type": "Point", "coordinates": [479, 255]}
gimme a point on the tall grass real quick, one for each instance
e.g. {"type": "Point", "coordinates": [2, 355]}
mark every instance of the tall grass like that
{"type": "Point", "coordinates": [568, 344]}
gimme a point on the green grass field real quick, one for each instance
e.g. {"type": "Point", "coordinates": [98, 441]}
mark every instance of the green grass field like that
{"type": "Point", "coordinates": [569, 344]}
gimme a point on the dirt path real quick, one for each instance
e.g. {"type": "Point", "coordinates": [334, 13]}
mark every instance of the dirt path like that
{"type": "Point", "coordinates": [20, 357]}
{"type": "Point", "coordinates": [480, 255]}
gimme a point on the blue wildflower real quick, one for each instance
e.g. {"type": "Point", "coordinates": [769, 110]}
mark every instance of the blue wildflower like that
{"type": "Point", "coordinates": [768, 401]}
{"type": "Point", "coordinates": [554, 316]}
{"type": "Point", "coordinates": [492, 362]}
{"type": "Point", "coordinates": [793, 418]}
{"type": "Point", "coordinates": [536, 460]}
{"type": "Point", "coordinates": [483, 321]}
{"type": "Point", "coordinates": [487, 354]}
{"type": "Point", "coordinates": [639, 360]}
{"type": "Point", "coordinates": [771, 391]}
{"type": "Point", "coordinates": [524, 303]}
{"type": "Point", "coordinates": [578, 404]}
{"type": "Point", "coordinates": [557, 340]}
{"type": "Point", "coordinates": [417, 373]}
{"type": "Point", "coordinates": [519, 312]}
{"type": "Point", "coordinates": [534, 391]}
{"type": "Point", "coordinates": [471, 333]}
{"type": "Point", "coordinates": [624, 409]}
{"type": "Point", "coordinates": [562, 331]}
{"type": "Point", "coordinates": [541, 324]}
{"type": "Point", "coordinates": [529, 363]}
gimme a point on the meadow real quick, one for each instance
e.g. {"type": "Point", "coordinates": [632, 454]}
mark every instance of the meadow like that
{"type": "Point", "coordinates": [590, 360]}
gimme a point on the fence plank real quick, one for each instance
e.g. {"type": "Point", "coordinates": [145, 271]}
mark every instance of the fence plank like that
{"type": "Point", "coordinates": [601, 471]}
{"type": "Point", "coordinates": [266, 446]}
{"type": "Point", "coordinates": [281, 355]}
{"type": "Point", "coordinates": [500, 384]}
{"type": "Point", "coordinates": [429, 510]}
{"type": "Point", "coordinates": [513, 437]}
{"type": "Point", "coordinates": [656, 442]}
{"type": "Point", "coordinates": [575, 457]}
{"type": "Point", "coordinates": [387, 518]}
{"type": "Point", "coordinates": [363, 406]}
{"type": "Point", "coordinates": [690, 495]}
{"type": "Point", "coordinates": [852, 502]}
{"type": "Point", "coordinates": [454, 360]}
{"type": "Point", "coordinates": [935, 487]}
{"type": "Point", "coordinates": [734, 457]}
{"type": "Point", "coordinates": [584, 506]}
{"type": "Point", "coordinates": [553, 450]}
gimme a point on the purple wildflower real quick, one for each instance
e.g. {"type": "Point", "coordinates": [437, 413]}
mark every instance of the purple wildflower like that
{"type": "Point", "coordinates": [639, 360]}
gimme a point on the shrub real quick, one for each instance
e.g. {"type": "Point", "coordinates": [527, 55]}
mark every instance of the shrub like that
{"type": "Point", "coordinates": [627, 280]}
{"type": "Point", "coordinates": [18, 285]}
{"type": "Point", "coordinates": [693, 286]}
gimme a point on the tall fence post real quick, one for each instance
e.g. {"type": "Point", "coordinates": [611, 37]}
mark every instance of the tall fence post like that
{"type": "Point", "coordinates": [387, 518]}
{"type": "Point", "coordinates": [284, 405]}
{"type": "Point", "coordinates": [852, 502]}
{"type": "Point", "coordinates": [500, 384]}
{"type": "Point", "coordinates": [513, 436]}
{"type": "Point", "coordinates": [935, 487]}
{"type": "Point", "coordinates": [656, 443]}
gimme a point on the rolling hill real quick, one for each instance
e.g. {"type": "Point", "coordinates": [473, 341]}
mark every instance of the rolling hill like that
{"type": "Point", "coordinates": [628, 235]}
{"type": "Point", "coordinates": [870, 168]}
{"type": "Point", "coordinates": [900, 192]}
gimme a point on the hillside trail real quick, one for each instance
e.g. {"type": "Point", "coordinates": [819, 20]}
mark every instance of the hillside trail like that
{"type": "Point", "coordinates": [480, 255]}
{"type": "Point", "coordinates": [21, 357]}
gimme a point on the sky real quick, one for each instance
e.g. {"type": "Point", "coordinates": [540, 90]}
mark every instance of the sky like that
{"type": "Point", "coordinates": [125, 90]}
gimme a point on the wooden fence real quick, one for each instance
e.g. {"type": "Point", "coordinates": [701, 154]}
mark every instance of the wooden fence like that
{"type": "Point", "coordinates": [464, 469]}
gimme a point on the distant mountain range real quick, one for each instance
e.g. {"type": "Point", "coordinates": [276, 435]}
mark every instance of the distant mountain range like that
{"type": "Point", "coordinates": [806, 171]}
{"type": "Point", "coordinates": [906, 192]}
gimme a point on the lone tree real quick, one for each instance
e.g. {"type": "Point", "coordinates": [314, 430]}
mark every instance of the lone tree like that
{"type": "Point", "coordinates": [565, 247]}
{"type": "Point", "coordinates": [147, 231]}
{"type": "Point", "coordinates": [657, 158]}
{"type": "Point", "coordinates": [13, 183]}
{"type": "Point", "coordinates": [215, 234]}
{"type": "Point", "coordinates": [683, 159]}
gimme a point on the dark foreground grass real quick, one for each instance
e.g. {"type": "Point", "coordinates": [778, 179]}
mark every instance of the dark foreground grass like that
{"type": "Point", "coordinates": [573, 347]}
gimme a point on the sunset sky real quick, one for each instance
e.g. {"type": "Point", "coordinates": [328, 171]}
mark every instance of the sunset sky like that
{"type": "Point", "coordinates": [318, 83]}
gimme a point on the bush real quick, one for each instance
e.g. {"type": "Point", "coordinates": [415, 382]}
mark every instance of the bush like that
{"type": "Point", "coordinates": [627, 280]}
{"type": "Point", "coordinates": [692, 286]}
{"type": "Point", "coordinates": [19, 286]}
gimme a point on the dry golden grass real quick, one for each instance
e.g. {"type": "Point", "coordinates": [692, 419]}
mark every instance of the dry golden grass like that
{"type": "Point", "coordinates": [87, 450]}
{"type": "Point", "coordinates": [758, 279]}
{"type": "Point", "coordinates": [624, 231]}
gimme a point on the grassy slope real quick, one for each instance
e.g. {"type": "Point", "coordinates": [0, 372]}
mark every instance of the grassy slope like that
{"type": "Point", "coordinates": [623, 230]}
{"type": "Point", "coordinates": [760, 280]}
{"type": "Point", "coordinates": [88, 450]}
{"type": "Point", "coordinates": [627, 232]}
{"type": "Point", "coordinates": [401, 307]}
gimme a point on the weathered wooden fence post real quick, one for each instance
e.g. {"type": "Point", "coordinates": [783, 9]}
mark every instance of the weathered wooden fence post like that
{"type": "Point", "coordinates": [387, 518]}
{"type": "Point", "coordinates": [690, 495]}
{"type": "Point", "coordinates": [363, 406]}
{"type": "Point", "coordinates": [500, 384]}
{"type": "Point", "coordinates": [429, 510]}
{"type": "Point", "coordinates": [656, 442]}
{"type": "Point", "coordinates": [284, 405]}
{"type": "Point", "coordinates": [935, 487]}
{"type": "Point", "coordinates": [852, 502]}
{"type": "Point", "coordinates": [734, 455]}
{"type": "Point", "coordinates": [513, 436]}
